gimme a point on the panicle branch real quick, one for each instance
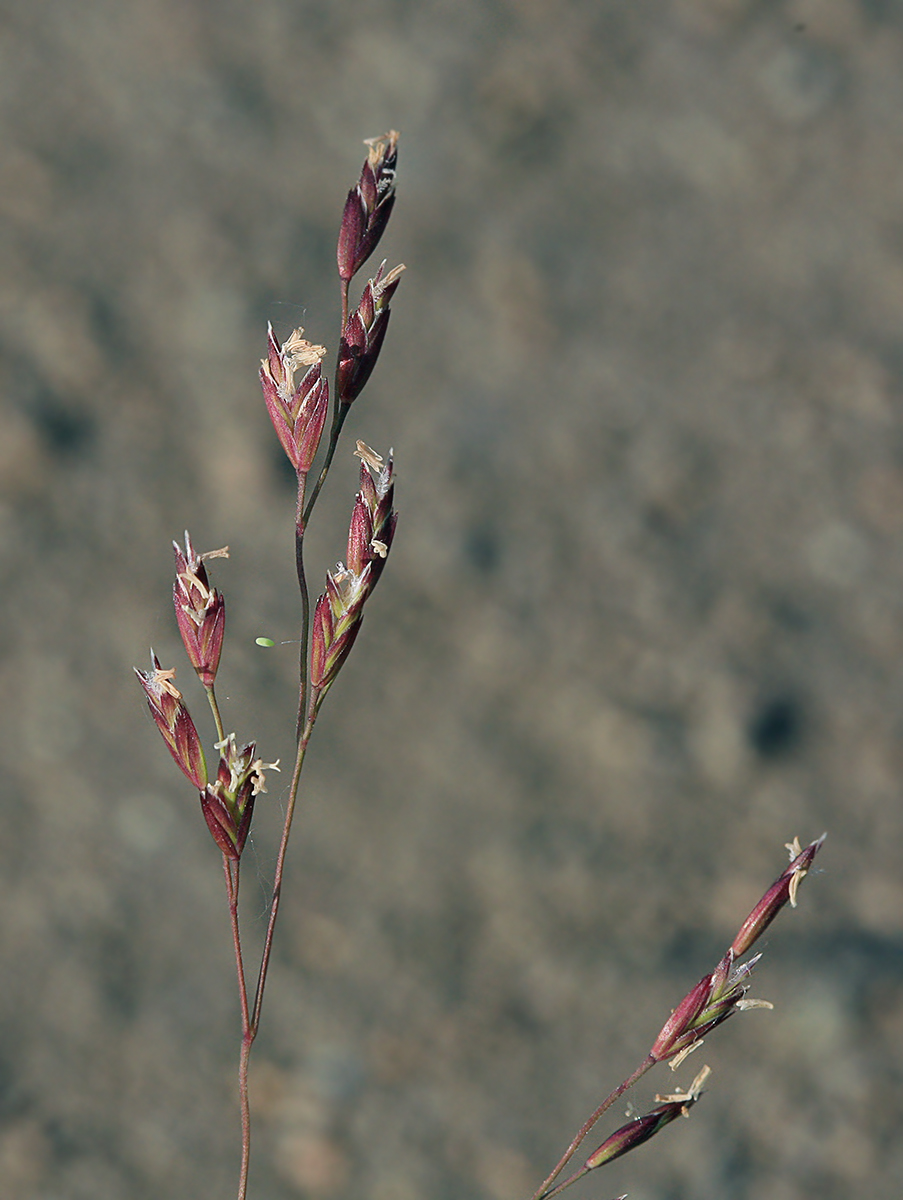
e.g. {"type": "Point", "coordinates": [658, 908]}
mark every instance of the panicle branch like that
{"type": "Point", "coordinates": [716, 997]}
{"type": "Point", "coordinates": [719, 995]}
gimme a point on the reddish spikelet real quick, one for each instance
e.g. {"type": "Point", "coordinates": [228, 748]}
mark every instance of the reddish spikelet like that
{"type": "Point", "coordinates": [784, 889]}
{"type": "Point", "coordinates": [363, 336]}
{"type": "Point", "coordinates": [719, 995]}
{"type": "Point", "coordinates": [633, 1134]}
{"type": "Point", "coordinates": [174, 721]}
{"type": "Point", "coordinates": [340, 610]}
{"type": "Point", "coordinates": [228, 802]}
{"type": "Point", "coordinates": [200, 610]}
{"type": "Point", "coordinates": [640, 1130]}
{"type": "Point", "coordinates": [369, 205]}
{"type": "Point", "coordinates": [337, 621]}
{"type": "Point", "coordinates": [298, 414]}
{"type": "Point", "coordinates": [715, 998]}
{"type": "Point", "coordinates": [681, 1019]}
{"type": "Point", "coordinates": [376, 497]}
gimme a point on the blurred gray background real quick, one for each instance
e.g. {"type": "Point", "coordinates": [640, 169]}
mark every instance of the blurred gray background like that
{"type": "Point", "coordinates": [642, 623]}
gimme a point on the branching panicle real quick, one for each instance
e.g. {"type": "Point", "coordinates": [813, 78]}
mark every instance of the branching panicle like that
{"type": "Point", "coordinates": [298, 411]}
{"type": "Point", "coordinates": [296, 395]}
{"type": "Point", "coordinates": [716, 997]}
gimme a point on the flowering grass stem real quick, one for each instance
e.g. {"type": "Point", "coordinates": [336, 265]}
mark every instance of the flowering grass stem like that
{"type": "Point", "coordinates": [328, 631]}
{"type": "Point", "coordinates": [716, 997]}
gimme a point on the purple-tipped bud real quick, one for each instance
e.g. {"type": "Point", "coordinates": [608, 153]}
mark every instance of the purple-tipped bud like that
{"type": "Point", "coordinates": [633, 1134]}
{"type": "Point", "coordinates": [640, 1130]}
{"type": "Point", "coordinates": [368, 206]}
{"type": "Point", "coordinates": [298, 414]}
{"type": "Point", "coordinates": [228, 802]}
{"type": "Point", "coordinates": [363, 337]}
{"type": "Point", "coordinates": [784, 888]}
{"type": "Point", "coordinates": [174, 721]}
{"type": "Point", "coordinates": [200, 610]}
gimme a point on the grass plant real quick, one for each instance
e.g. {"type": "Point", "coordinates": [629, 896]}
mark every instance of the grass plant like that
{"type": "Point", "coordinates": [308, 418]}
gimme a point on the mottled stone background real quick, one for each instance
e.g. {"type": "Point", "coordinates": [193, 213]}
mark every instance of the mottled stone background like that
{"type": "Point", "coordinates": [642, 624]}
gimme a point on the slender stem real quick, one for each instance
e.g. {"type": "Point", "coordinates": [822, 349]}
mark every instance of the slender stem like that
{"type": "Point", "coordinates": [232, 871]}
{"type": "Point", "coordinates": [280, 870]}
{"type": "Point", "coordinates": [250, 1020]}
{"type": "Point", "coordinates": [246, 1043]}
{"type": "Point", "coordinates": [217, 719]}
{"type": "Point", "coordinates": [566, 1183]}
{"type": "Point", "coordinates": [300, 525]}
{"type": "Point", "coordinates": [545, 1189]}
{"type": "Point", "coordinates": [340, 412]}
{"type": "Point", "coordinates": [337, 423]}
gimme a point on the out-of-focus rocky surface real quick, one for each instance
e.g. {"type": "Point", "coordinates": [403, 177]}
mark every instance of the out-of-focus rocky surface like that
{"type": "Point", "coordinates": [643, 621]}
